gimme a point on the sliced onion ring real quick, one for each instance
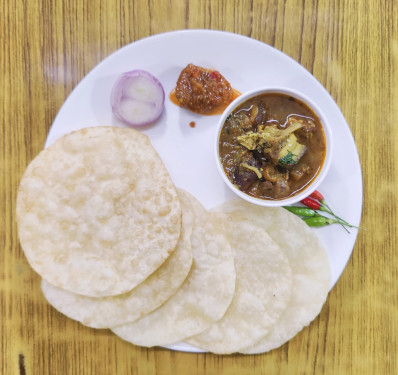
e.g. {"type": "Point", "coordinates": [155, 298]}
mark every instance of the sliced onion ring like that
{"type": "Point", "coordinates": [137, 98]}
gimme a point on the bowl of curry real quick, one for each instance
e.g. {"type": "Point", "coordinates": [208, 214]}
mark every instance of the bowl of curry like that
{"type": "Point", "coordinates": [274, 146]}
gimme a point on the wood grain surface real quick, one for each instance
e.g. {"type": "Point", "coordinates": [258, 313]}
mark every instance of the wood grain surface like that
{"type": "Point", "coordinates": [351, 47]}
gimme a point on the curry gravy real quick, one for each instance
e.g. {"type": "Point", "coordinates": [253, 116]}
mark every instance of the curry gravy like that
{"type": "Point", "coordinates": [269, 169]}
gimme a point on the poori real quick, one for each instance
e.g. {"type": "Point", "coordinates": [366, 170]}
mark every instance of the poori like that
{"type": "Point", "coordinates": [106, 312]}
{"type": "Point", "coordinates": [262, 291]}
{"type": "Point", "coordinates": [204, 296]}
{"type": "Point", "coordinates": [97, 211]}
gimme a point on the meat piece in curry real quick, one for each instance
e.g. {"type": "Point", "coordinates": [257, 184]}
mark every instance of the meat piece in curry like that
{"type": "Point", "coordinates": [202, 90]}
{"type": "Point", "coordinates": [272, 146]}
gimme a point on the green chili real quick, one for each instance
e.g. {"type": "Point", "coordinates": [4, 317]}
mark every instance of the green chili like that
{"type": "Point", "coordinates": [319, 221]}
{"type": "Point", "coordinates": [301, 211]}
{"type": "Point", "coordinates": [311, 215]}
{"type": "Point", "coordinates": [316, 201]}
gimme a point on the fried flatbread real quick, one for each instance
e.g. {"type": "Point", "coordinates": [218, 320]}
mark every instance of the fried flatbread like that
{"type": "Point", "coordinates": [97, 212]}
{"type": "Point", "coordinates": [203, 297]}
{"type": "Point", "coordinates": [106, 312]}
{"type": "Point", "coordinates": [263, 288]}
{"type": "Point", "coordinates": [308, 261]}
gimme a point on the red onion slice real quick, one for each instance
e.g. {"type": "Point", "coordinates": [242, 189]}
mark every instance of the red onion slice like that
{"type": "Point", "coordinates": [137, 98]}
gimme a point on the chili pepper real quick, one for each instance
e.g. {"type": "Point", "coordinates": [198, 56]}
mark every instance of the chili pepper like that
{"type": "Point", "coordinates": [334, 221]}
{"type": "Point", "coordinates": [322, 205]}
{"type": "Point", "coordinates": [301, 211]}
{"type": "Point", "coordinates": [321, 199]}
{"type": "Point", "coordinates": [319, 221]}
{"type": "Point", "coordinates": [318, 196]}
{"type": "Point", "coordinates": [316, 202]}
{"type": "Point", "coordinates": [311, 203]}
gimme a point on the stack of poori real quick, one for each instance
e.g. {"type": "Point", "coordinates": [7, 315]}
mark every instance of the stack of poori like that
{"type": "Point", "coordinates": [119, 247]}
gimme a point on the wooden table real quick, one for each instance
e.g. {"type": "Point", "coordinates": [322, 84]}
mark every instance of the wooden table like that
{"type": "Point", "coordinates": [351, 47]}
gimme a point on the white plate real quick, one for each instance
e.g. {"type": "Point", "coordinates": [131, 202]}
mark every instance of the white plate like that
{"type": "Point", "coordinates": [187, 152]}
